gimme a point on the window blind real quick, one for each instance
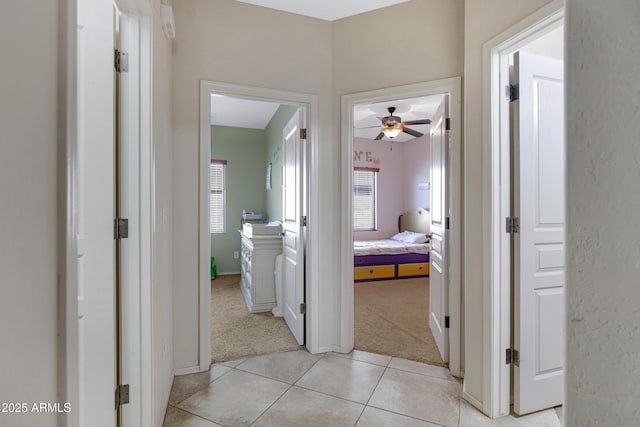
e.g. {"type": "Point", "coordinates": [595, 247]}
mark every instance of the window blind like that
{"type": "Point", "coordinates": [364, 199]}
{"type": "Point", "coordinates": [217, 197]}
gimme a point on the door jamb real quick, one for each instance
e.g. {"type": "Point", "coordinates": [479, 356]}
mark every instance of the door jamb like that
{"type": "Point", "coordinates": [496, 183]}
{"type": "Point", "coordinates": [453, 87]}
{"type": "Point", "coordinates": [312, 274]}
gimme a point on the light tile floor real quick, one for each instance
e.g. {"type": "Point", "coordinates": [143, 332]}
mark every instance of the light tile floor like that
{"type": "Point", "coordinates": [357, 389]}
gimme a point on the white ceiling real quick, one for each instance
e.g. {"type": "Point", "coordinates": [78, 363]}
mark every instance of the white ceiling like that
{"type": "Point", "coordinates": [241, 113]}
{"type": "Point", "coordinates": [367, 115]}
{"type": "Point", "coordinates": [329, 10]}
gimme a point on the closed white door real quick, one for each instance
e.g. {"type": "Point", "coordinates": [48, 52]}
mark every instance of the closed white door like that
{"type": "Point", "coordinates": [438, 290]}
{"type": "Point", "coordinates": [293, 239]}
{"type": "Point", "coordinates": [539, 246]}
{"type": "Point", "coordinates": [96, 210]}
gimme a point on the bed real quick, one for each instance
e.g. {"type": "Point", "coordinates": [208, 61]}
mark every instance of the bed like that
{"type": "Point", "coordinates": [392, 259]}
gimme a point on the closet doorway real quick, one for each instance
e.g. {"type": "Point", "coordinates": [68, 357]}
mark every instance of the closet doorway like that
{"type": "Point", "coordinates": [256, 178]}
{"type": "Point", "coordinates": [403, 286]}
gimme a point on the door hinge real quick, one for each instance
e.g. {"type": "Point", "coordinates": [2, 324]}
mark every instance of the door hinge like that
{"type": "Point", "coordinates": [447, 124]}
{"type": "Point", "coordinates": [303, 220]}
{"type": "Point", "coordinates": [303, 133]}
{"type": "Point", "coordinates": [303, 308]}
{"type": "Point", "coordinates": [446, 321]}
{"type": "Point", "coordinates": [512, 357]}
{"type": "Point", "coordinates": [512, 92]}
{"type": "Point", "coordinates": [122, 395]}
{"type": "Point", "coordinates": [447, 223]}
{"type": "Point", "coordinates": [120, 228]}
{"type": "Point", "coordinates": [121, 61]}
{"type": "Point", "coordinates": [512, 225]}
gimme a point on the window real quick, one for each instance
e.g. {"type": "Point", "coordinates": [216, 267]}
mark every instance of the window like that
{"type": "Point", "coordinates": [217, 197]}
{"type": "Point", "coordinates": [365, 204]}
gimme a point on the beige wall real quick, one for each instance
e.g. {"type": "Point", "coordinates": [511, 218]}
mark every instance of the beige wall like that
{"type": "Point", "coordinates": [233, 42]}
{"type": "Point", "coordinates": [411, 42]}
{"type": "Point", "coordinates": [162, 286]}
{"type": "Point", "coordinates": [28, 206]}
{"type": "Point", "coordinates": [479, 27]}
{"type": "Point", "coordinates": [603, 257]}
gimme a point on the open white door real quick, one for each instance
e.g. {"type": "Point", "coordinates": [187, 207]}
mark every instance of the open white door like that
{"type": "Point", "coordinates": [539, 203]}
{"type": "Point", "coordinates": [96, 209]}
{"type": "Point", "coordinates": [293, 239]}
{"type": "Point", "coordinates": [438, 289]}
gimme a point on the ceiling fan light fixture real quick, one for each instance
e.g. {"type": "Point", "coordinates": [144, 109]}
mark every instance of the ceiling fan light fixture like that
{"type": "Point", "coordinates": [391, 131]}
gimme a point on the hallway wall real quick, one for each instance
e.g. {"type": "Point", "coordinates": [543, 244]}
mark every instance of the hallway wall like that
{"type": "Point", "coordinates": [603, 257]}
{"type": "Point", "coordinates": [230, 41]}
{"type": "Point", "coordinates": [162, 286]}
{"type": "Point", "coordinates": [479, 28]}
{"type": "Point", "coordinates": [28, 208]}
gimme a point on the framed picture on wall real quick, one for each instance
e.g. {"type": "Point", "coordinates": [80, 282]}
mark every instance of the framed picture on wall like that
{"type": "Point", "coordinates": [269, 176]}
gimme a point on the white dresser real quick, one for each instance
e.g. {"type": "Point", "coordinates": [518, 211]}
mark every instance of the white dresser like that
{"type": "Point", "coordinates": [260, 246]}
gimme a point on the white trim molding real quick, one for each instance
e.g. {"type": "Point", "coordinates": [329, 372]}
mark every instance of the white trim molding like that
{"type": "Point", "coordinates": [451, 86]}
{"type": "Point", "coordinates": [496, 183]}
{"type": "Point", "coordinates": [309, 103]}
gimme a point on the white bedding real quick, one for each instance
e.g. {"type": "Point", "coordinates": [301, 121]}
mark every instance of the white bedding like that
{"type": "Point", "coordinates": [388, 247]}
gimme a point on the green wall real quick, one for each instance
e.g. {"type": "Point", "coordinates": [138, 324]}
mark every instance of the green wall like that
{"type": "Point", "coordinates": [273, 154]}
{"type": "Point", "coordinates": [244, 151]}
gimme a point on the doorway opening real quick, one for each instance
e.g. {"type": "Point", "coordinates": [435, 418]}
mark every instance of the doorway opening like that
{"type": "Point", "coordinates": [524, 234]}
{"type": "Point", "coordinates": [391, 220]}
{"type": "Point", "coordinates": [256, 243]}
{"type": "Point", "coordinates": [246, 195]}
{"type": "Point", "coordinates": [364, 296]}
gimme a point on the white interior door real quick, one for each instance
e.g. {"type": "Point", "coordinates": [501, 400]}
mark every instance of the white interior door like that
{"type": "Point", "coordinates": [438, 290]}
{"type": "Point", "coordinates": [96, 205]}
{"type": "Point", "coordinates": [539, 203]}
{"type": "Point", "coordinates": [293, 239]}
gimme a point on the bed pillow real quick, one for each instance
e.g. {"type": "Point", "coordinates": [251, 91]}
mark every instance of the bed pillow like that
{"type": "Point", "coordinates": [399, 237]}
{"type": "Point", "coordinates": [410, 237]}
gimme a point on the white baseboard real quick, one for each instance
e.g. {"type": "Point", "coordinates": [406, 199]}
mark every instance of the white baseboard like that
{"type": "Point", "coordinates": [166, 402]}
{"type": "Point", "coordinates": [228, 273]}
{"type": "Point", "coordinates": [473, 401]}
{"type": "Point", "coordinates": [328, 349]}
{"type": "Point", "coordinates": [187, 371]}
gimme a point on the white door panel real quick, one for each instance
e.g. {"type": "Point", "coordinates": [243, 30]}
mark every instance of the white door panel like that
{"type": "Point", "coordinates": [438, 285]}
{"type": "Point", "coordinates": [96, 209]}
{"type": "Point", "coordinates": [539, 203]}
{"type": "Point", "coordinates": [96, 206]}
{"type": "Point", "coordinates": [292, 241]}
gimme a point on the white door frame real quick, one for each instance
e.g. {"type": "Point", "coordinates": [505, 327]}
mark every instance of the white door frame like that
{"type": "Point", "coordinates": [310, 103]}
{"type": "Point", "coordinates": [452, 86]}
{"type": "Point", "coordinates": [497, 184]}
{"type": "Point", "coordinates": [136, 348]}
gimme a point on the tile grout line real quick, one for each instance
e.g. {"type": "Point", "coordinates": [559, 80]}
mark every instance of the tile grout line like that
{"type": "Point", "coordinates": [195, 415]}
{"type": "Point", "coordinates": [282, 395]}
{"type": "Point", "coordinates": [270, 406]}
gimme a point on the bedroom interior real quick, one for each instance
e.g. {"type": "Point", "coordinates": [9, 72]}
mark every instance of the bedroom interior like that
{"type": "Point", "coordinates": [392, 228]}
{"type": "Point", "coordinates": [246, 136]}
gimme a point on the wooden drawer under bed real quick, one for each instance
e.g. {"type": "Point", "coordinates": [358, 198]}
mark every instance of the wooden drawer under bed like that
{"type": "Point", "coordinates": [417, 269]}
{"type": "Point", "coordinates": [374, 272]}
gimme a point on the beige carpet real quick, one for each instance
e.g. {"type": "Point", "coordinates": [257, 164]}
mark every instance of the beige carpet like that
{"type": "Point", "coordinates": [237, 333]}
{"type": "Point", "coordinates": [391, 317]}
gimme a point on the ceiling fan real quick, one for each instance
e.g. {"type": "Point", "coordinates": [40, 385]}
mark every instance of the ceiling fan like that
{"type": "Point", "coordinates": [392, 126]}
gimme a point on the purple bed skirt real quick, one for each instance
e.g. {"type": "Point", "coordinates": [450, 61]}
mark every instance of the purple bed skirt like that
{"type": "Point", "coordinates": [389, 259]}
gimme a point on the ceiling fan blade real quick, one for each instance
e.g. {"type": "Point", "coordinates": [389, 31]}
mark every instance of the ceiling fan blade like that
{"type": "Point", "coordinates": [368, 127]}
{"type": "Point", "coordinates": [379, 137]}
{"type": "Point", "coordinates": [417, 122]}
{"type": "Point", "coordinates": [412, 132]}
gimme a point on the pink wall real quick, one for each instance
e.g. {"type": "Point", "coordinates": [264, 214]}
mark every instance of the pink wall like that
{"type": "Point", "coordinates": [416, 171]}
{"type": "Point", "coordinates": [402, 166]}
